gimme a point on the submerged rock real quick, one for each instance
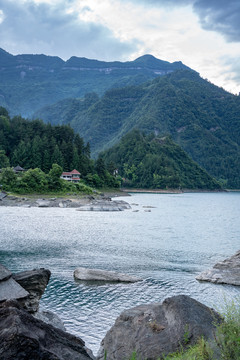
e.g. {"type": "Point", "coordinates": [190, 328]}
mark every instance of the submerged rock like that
{"type": "Point", "coordinates": [35, 282]}
{"type": "Point", "coordinates": [23, 337]}
{"type": "Point", "coordinates": [224, 272]}
{"type": "Point", "coordinates": [154, 330]}
{"type": "Point", "coordinates": [103, 275]}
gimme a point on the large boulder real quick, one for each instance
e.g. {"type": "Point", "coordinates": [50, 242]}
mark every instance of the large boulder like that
{"type": "Point", "coordinates": [224, 272]}
{"type": "Point", "coordinates": [155, 330]}
{"type": "Point", "coordinates": [85, 274]}
{"type": "Point", "coordinates": [23, 337]}
{"type": "Point", "coordinates": [35, 282]}
{"type": "Point", "coordinates": [9, 288]}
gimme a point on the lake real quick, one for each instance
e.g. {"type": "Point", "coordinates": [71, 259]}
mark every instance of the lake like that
{"type": "Point", "coordinates": [166, 239]}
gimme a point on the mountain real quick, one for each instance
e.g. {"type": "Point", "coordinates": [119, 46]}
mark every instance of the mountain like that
{"type": "Point", "coordinates": [29, 82]}
{"type": "Point", "coordinates": [151, 162]}
{"type": "Point", "coordinates": [201, 117]}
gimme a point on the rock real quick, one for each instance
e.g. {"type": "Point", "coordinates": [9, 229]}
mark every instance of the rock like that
{"type": "Point", "coordinates": [2, 195]}
{"type": "Point", "coordinates": [224, 272]}
{"type": "Point", "coordinates": [103, 275]}
{"type": "Point", "coordinates": [9, 288]}
{"type": "Point", "coordinates": [43, 203]}
{"type": "Point", "coordinates": [5, 274]}
{"type": "Point", "coordinates": [35, 282]}
{"type": "Point", "coordinates": [22, 337]}
{"type": "Point", "coordinates": [105, 205]}
{"type": "Point", "coordinates": [155, 330]}
{"type": "Point", "coordinates": [99, 208]}
{"type": "Point", "coordinates": [50, 318]}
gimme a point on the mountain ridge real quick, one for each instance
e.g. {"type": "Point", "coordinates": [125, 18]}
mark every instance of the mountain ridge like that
{"type": "Point", "coordinates": [31, 81]}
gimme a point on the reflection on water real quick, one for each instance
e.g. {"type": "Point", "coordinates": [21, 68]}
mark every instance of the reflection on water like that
{"type": "Point", "coordinates": [181, 236]}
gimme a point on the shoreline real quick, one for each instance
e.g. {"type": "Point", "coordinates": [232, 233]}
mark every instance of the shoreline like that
{"type": "Point", "coordinates": [173, 191]}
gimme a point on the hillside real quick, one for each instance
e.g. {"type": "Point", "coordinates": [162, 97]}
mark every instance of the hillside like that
{"type": "Point", "coordinates": [152, 162]}
{"type": "Point", "coordinates": [29, 82]}
{"type": "Point", "coordinates": [202, 118]}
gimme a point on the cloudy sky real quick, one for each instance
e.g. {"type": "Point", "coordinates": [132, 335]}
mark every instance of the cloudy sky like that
{"type": "Point", "coordinates": [203, 34]}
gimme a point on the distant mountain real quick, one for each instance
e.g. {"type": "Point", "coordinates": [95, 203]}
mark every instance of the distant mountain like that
{"type": "Point", "coordinates": [202, 118]}
{"type": "Point", "coordinates": [152, 162]}
{"type": "Point", "coordinates": [29, 82]}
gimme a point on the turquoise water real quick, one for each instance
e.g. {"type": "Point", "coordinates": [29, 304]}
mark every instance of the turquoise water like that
{"type": "Point", "coordinates": [166, 239]}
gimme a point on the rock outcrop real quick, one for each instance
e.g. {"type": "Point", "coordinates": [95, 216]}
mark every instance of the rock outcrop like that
{"type": "Point", "coordinates": [35, 282]}
{"type": "Point", "coordinates": [98, 202]}
{"type": "Point", "coordinates": [23, 337]}
{"type": "Point", "coordinates": [82, 273]}
{"type": "Point", "coordinates": [105, 205]}
{"type": "Point", "coordinates": [155, 330]}
{"type": "Point", "coordinates": [224, 272]}
{"type": "Point", "coordinates": [9, 288]}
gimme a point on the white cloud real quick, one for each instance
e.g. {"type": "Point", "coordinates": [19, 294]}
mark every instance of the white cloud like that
{"type": "Point", "coordinates": [170, 34]}
{"type": "Point", "coordinates": [124, 30]}
{"type": "Point", "coordinates": [1, 16]}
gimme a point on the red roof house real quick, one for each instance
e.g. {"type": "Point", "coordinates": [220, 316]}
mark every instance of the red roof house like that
{"type": "Point", "coordinates": [73, 176]}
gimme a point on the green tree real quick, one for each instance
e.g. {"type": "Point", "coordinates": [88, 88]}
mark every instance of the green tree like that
{"type": "Point", "coordinates": [4, 161]}
{"type": "Point", "coordinates": [8, 178]}
{"type": "Point", "coordinates": [54, 181]}
{"type": "Point", "coordinates": [57, 156]}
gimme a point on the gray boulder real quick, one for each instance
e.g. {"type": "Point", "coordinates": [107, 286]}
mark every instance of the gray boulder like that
{"type": "Point", "coordinates": [82, 273]}
{"type": "Point", "coordinates": [224, 272]}
{"type": "Point", "coordinates": [155, 330]}
{"type": "Point", "coordinates": [35, 282]}
{"type": "Point", "coordinates": [43, 203]}
{"type": "Point", "coordinates": [9, 288]}
{"type": "Point", "coordinates": [50, 318]}
{"type": "Point", "coordinates": [23, 337]}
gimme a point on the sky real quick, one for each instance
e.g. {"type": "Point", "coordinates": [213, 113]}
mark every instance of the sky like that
{"type": "Point", "coordinates": [203, 34]}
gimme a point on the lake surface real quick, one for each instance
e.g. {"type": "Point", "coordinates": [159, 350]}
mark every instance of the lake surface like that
{"type": "Point", "coordinates": [166, 245]}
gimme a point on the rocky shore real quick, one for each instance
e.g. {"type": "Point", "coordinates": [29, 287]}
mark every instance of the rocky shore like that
{"type": "Point", "coordinates": [26, 333]}
{"type": "Point", "coordinates": [98, 202]}
{"type": "Point", "coordinates": [150, 330]}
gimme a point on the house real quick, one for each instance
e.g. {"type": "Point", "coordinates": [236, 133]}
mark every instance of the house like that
{"type": "Point", "coordinates": [18, 169]}
{"type": "Point", "coordinates": [73, 176]}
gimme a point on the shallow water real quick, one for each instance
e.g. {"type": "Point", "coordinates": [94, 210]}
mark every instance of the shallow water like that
{"type": "Point", "coordinates": [182, 235]}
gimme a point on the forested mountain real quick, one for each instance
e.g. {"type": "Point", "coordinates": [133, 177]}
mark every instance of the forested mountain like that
{"type": "Point", "coordinates": [202, 118]}
{"type": "Point", "coordinates": [29, 82]}
{"type": "Point", "coordinates": [152, 162]}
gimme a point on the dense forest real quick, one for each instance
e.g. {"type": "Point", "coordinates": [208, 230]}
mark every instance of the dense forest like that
{"type": "Point", "coordinates": [35, 145]}
{"type": "Point", "coordinates": [148, 161]}
{"type": "Point", "coordinates": [201, 117]}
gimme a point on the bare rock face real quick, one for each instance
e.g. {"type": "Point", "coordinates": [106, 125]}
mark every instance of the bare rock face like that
{"type": "Point", "coordinates": [224, 272]}
{"type": "Point", "coordinates": [23, 337]}
{"type": "Point", "coordinates": [9, 288]}
{"type": "Point", "coordinates": [103, 275]}
{"type": "Point", "coordinates": [35, 282]}
{"type": "Point", "coordinates": [154, 330]}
